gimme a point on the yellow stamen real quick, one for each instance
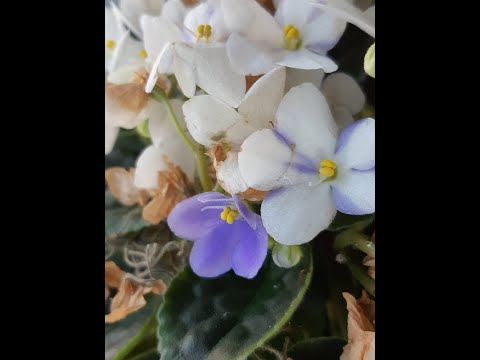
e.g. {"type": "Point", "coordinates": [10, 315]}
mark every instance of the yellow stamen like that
{"type": "Point", "coordinates": [110, 44]}
{"type": "Point", "coordinates": [287, 28]}
{"type": "Point", "coordinates": [228, 215]}
{"type": "Point", "coordinates": [328, 163]}
{"type": "Point", "coordinates": [207, 32]}
{"type": "Point", "coordinates": [143, 54]}
{"type": "Point", "coordinates": [291, 37]}
{"type": "Point", "coordinates": [327, 168]}
{"type": "Point", "coordinates": [293, 34]}
{"type": "Point", "coordinates": [200, 31]}
{"type": "Point", "coordinates": [230, 219]}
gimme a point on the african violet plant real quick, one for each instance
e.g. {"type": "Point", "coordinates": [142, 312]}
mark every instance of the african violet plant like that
{"type": "Point", "coordinates": [240, 179]}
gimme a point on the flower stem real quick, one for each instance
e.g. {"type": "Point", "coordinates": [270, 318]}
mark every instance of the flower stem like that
{"type": "Point", "coordinates": [362, 277]}
{"type": "Point", "coordinates": [159, 95]}
{"type": "Point", "coordinates": [202, 167]}
{"type": "Point", "coordinates": [198, 150]}
{"type": "Point", "coordinates": [355, 239]}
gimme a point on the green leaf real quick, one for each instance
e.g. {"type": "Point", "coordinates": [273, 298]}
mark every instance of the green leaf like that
{"type": "Point", "coordinates": [324, 348]}
{"type": "Point", "coordinates": [130, 335]}
{"type": "Point", "coordinates": [229, 317]}
{"type": "Point", "coordinates": [344, 221]}
{"type": "Point", "coordinates": [127, 148]}
{"type": "Point", "coordinates": [124, 220]}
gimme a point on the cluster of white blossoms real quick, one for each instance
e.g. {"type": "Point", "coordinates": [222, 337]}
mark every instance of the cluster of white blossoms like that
{"type": "Point", "coordinates": [291, 137]}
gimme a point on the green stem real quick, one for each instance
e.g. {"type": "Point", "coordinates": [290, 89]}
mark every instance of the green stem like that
{"type": "Point", "coordinates": [144, 331]}
{"type": "Point", "coordinates": [353, 238]}
{"type": "Point", "coordinates": [362, 277]}
{"type": "Point", "coordinates": [159, 95]}
{"type": "Point", "coordinates": [202, 167]}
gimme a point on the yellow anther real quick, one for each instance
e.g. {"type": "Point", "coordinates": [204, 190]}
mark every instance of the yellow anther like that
{"type": "Point", "coordinates": [287, 28]}
{"type": "Point", "coordinates": [200, 30]}
{"type": "Point", "coordinates": [110, 44]}
{"type": "Point", "coordinates": [327, 168]}
{"type": "Point", "coordinates": [230, 219]}
{"type": "Point", "coordinates": [207, 32]}
{"type": "Point", "coordinates": [328, 163]}
{"type": "Point", "coordinates": [228, 214]}
{"type": "Point", "coordinates": [293, 34]}
{"type": "Point", "coordinates": [142, 53]}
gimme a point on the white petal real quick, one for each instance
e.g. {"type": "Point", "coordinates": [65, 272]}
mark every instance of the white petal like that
{"type": "Point", "coordinates": [248, 58]}
{"type": "Point", "coordinates": [163, 64]}
{"type": "Point", "coordinates": [323, 32]}
{"type": "Point", "coordinates": [370, 14]}
{"type": "Point", "coordinates": [307, 60]}
{"type": "Point", "coordinates": [122, 75]}
{"type": "Point", "coordinates": [158, 31]}
{"type": "Point", "coordinates": [341, 89]}
{"type": "Point", "coordinates": [229, 175]}
{"type": "Point", "coordinates": [216, 76]}
{"type": "Point", "coordinates": [112, 28]}
{"type": "Point", "coordinates": [260, 103]}
{"type": "Point", "coordinates": [356, 145]}
{"type": "Point", "coordinates": [111, 133]}
{"type": "Point", "coordinates": [263, 159]}
{"type": "Point", "coordinates": [160, 126]}
{"type": "Point", "coordinates": [175, 11]}
{"type": "Point", "coordinates": [294, 12]}
{"type": "Point", "coordinates": [117, 116]}
{"type": "Point", "coordinates": [183, 67]}
{"type": "Point", "coordinates": [344, 10]}
{"type": "Point", "coordinates": [208, 118]}
{"type": "Point", "coordinates": [249, 19]}
{"type": "Point", "coordinates": [151, 161]}
{"type": "Point", "coordinates": [354, 192]}
{"type": "Point", "coordinates": [296, 214]}
{"type": "Point", "coordinates": [206, 14]}
{"type": "Point", "coordinates": [304, 119]}
{"type": "Point", "coordinates": [297, 77]}
{"type": "Point", "coordinates": [133, 9]}
{"type": "Point", "coordinates": [343, 116]}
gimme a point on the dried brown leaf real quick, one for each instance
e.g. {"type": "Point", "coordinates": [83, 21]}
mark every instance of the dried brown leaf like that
{"type": "Point", "coordinates": [361, 328]}
{"type": "Point", "coordinates": [268, 5]}
{"type": "Point", "coordinates": [130, 96]}
{"type": "Point", "coordinates": [369, 261]}
{"type": "Point", "coordinates": [253, 194]}
{"type": "Point", "coordinates": [250, 80]}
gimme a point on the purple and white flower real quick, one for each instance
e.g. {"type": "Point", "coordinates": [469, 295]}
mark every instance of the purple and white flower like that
{"type": "Point", "coordinates": [299, 36]}
{"type": "Point", "coordinates": [226, 234]}
{"type": "Point", "coordinates": [312, 171]}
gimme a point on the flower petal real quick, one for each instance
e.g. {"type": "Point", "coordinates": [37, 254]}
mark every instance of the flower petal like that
{"type": "Point", "coordinates": [211, 255]}
{"type": "Point", "coordinates": [343, 117]}
{"type": "Point", "coordinates": [251, 20]}
{"type": "Point", "coordinates": [260, 103]}
{"type": "Point", "coordinates": [356, 145]}
{"type": "Point", "coordinates": [354, 192]}
{"type": "Point", "coordinates": [216, 75]}
{"type": "Point", "coordinates": [297, 77]}
{"type": "Point", "coordinates": [323, 32]}
{"type": "Point", "coordinates": [304, 119]}
{"type": "Point", "coordinates": [208, 118]}
{"type": "Point", "coordinates": [192, 219]}
{"type": "Point", "coordinates": [133, 9]}
{"type": "Point", "coordinates": [184, 69]}
{"type": "Point", "coordinates": [307, 60]}
{"type": "Point", "coordinates": [250, 217]}
{"type": "Point", "coordinates": [341, 89]}
{"type": "Point", "coordinates": [229, 175]}
{"type": "Point", "coordinates": [247, 58]}
{"type": "Point", "coordinates": [251, 249]}
{"type": "Point", "coordinates": [296, 214]}
{"type": "Point", "coordinates": [263, 159]}
{"type": "Point", "coordinates": [175, 11]}
{"type": "Point", "coordinates": [158, 31]}
{"type": "Point", "coordinates": [294, 12]}
{"type": "Point", "coordinates": [111, 133]}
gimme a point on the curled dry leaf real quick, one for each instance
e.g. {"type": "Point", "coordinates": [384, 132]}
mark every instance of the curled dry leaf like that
{"type": "Point", "coordinates": [253, 194]}
{"type": "Point", "coordinates": [120, 181]}
{"type": "Point", "coordinates": [369, 261]}
{"type": "Point", "coordinates": [251, 79]}
{"type": "Point", "coordinates": [268, 5]}
{"type": "Point", "coordinates": [129, 96]}
{"type": "Point", "coordinates": [130, 295]}
{"type": "Point", "coordinates": [173, 187]}
{"type": "Point", "coordinates": [361, 328]}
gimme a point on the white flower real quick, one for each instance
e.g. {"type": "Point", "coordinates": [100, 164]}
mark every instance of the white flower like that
{"type": "Point", "coordinates": [120, 48]}
{"type": "Point", "coordinates": [195, 54]}
{"type": "Point", "coordinates": [132, 10]}
{"type": "Point", "coordinates": [211, 121]}
{"type": "Point", "coordinates": [312, 172]}
{"type": "Point", "coordinates": [111, 133]}
{"type": "Point", "coordinates": [298, 37]}
{"type": "Point", "coordinates": [166, 143]}
{"type": "Point", "coordinates": [345, 10]}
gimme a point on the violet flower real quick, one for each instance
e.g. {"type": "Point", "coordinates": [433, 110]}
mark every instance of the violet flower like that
{"type": "Point", "coordinates": [226, 234]}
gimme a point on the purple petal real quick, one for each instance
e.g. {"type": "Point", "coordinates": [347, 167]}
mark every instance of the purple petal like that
{"type": "Point", "coordinates": [211, 256]}
{"type": "Point", "coordinates": [354, 192]}
{"type": "Point", "coordinates": [251, 249]}
{"type": "Point", "coordinates": [356, 145]}
{"type": "Point", "coordinates": [195, 217]}
{"type": "Point", "coordinates": [249, 216]}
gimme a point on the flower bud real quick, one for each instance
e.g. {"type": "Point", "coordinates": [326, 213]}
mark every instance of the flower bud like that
{"type": "Point", "coordinates": [286, 256]}
{"type": "Point", "coordinates": [369, 62]}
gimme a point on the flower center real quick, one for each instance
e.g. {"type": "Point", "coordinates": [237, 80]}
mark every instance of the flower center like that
{"type": "Point", "coordinates": [110, 44]}
{"type": "Point", "coordinates": [204, 31]}
{"type": "Point", "coordinates": [142, 53]}
{"type": "Point", "coordinates": [327, 168]}
{"type": "Point", "coordinates": [228, 214]}
{"type": "Point", "coordinates": [291, 37]}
